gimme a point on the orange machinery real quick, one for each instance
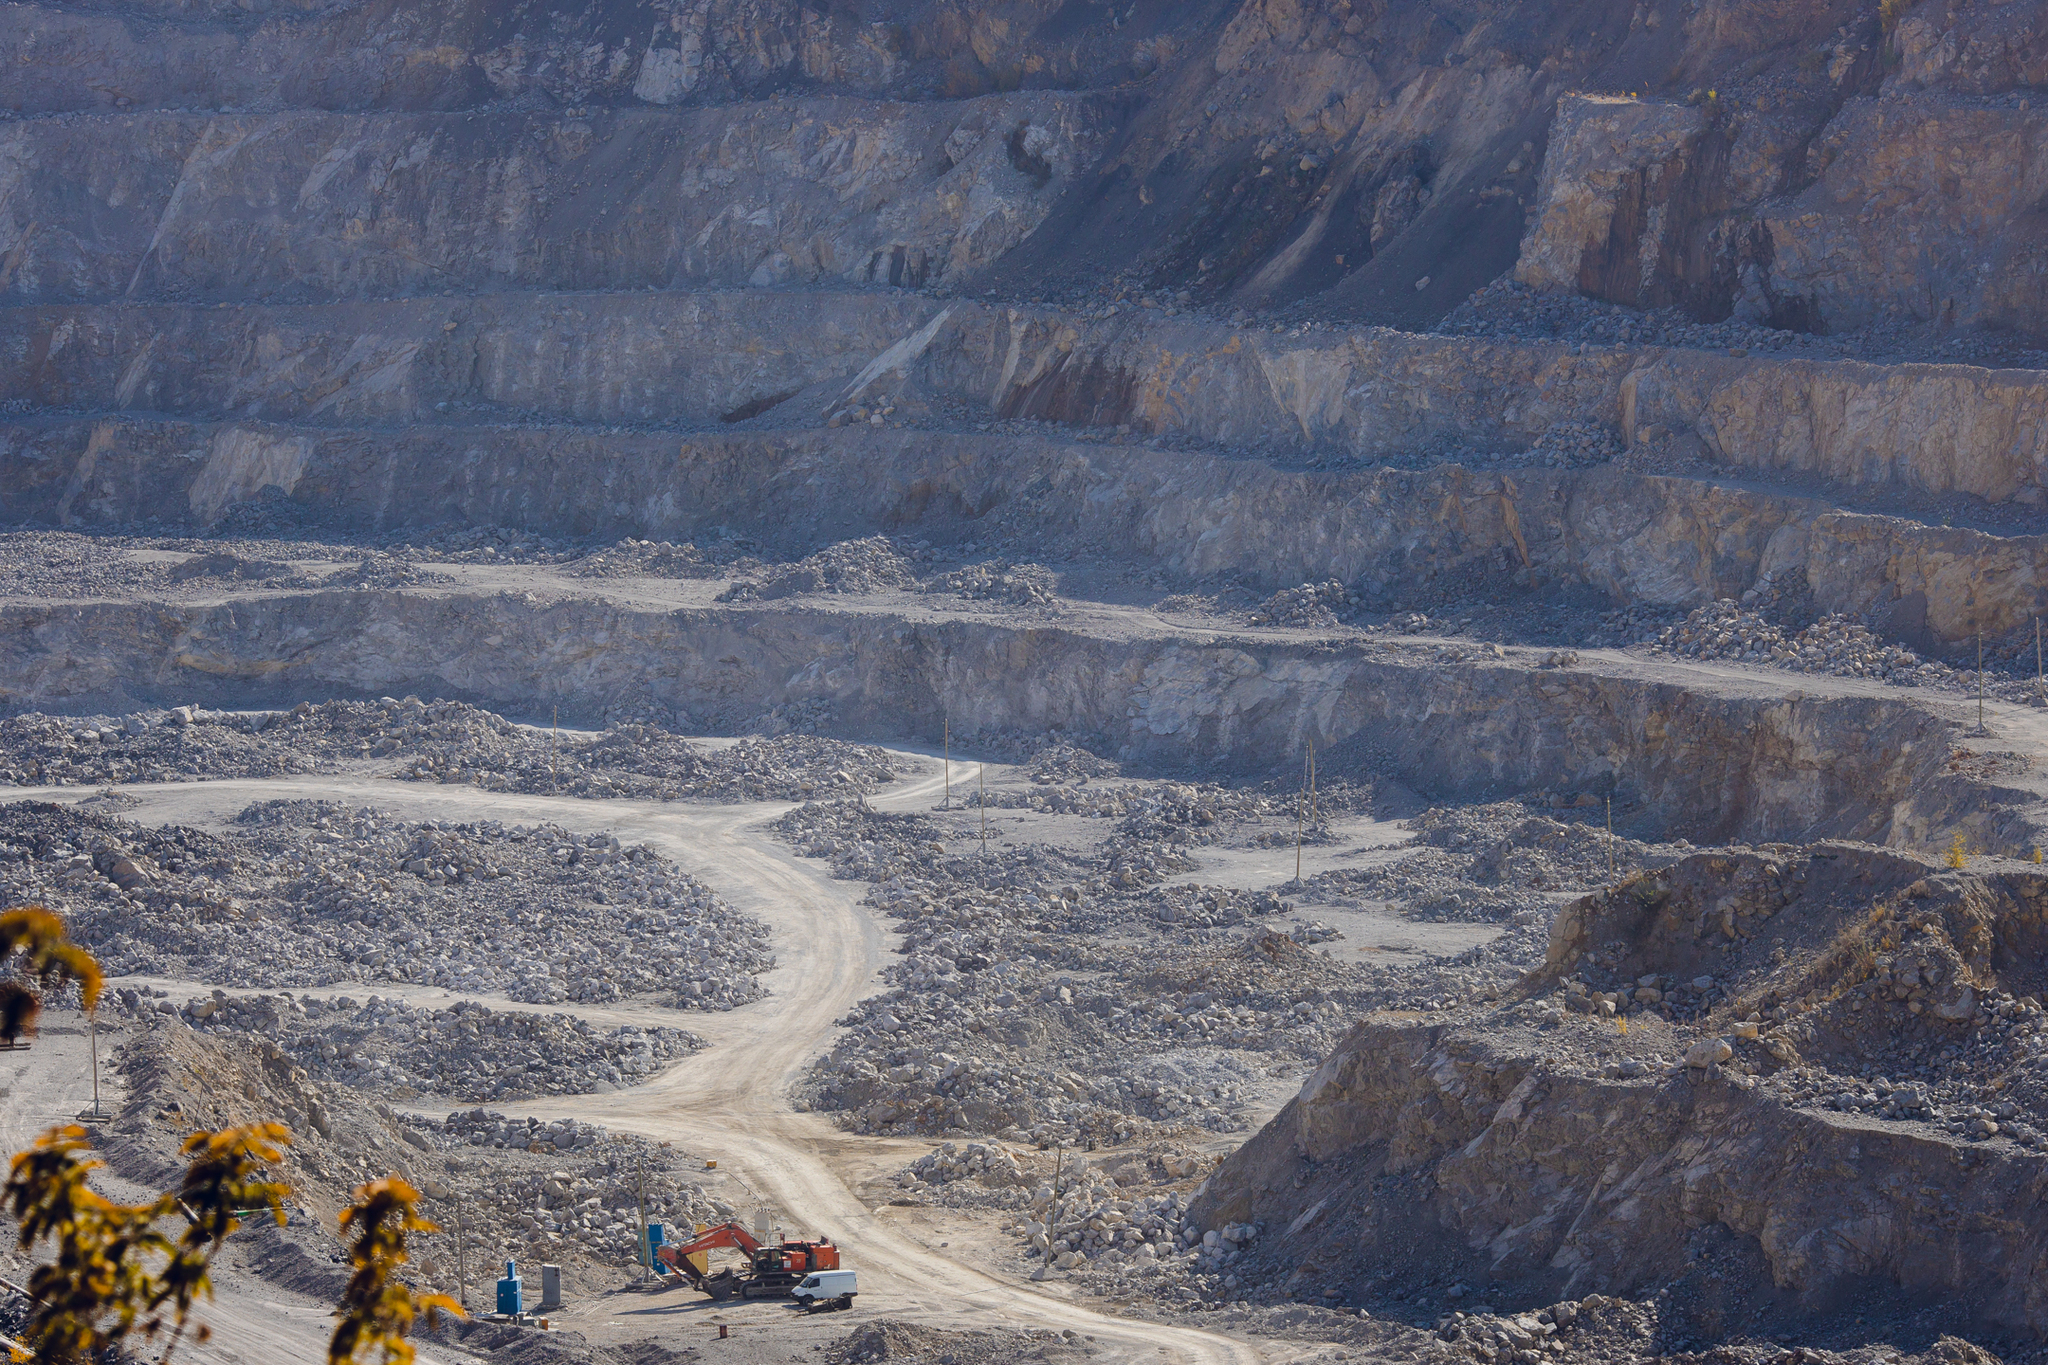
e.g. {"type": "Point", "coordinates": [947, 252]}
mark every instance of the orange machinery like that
{"type": "Point", "coordinates": [772, 1271]}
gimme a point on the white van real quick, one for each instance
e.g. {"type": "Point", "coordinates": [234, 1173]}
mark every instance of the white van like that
{"type": "Point", "coordinates": [825, 1289]}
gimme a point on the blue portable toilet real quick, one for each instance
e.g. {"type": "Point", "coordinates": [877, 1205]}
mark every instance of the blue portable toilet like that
{"type": "Point", "coordinates": [656, 1235]}
{"type": "Point", "coordinates": [510, 1300]}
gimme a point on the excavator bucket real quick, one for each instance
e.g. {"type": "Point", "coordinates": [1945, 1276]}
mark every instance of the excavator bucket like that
{"type": "Point", "coordinates": [722, 1286]}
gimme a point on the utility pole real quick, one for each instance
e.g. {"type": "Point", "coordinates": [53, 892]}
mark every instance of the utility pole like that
{"type": "Point", "coordinates": [1311, 779]}
{"type": "Point", "coordinates": [95, 1114]}
{"type": "Point", "coordinates": [461, 1258]}
{"type": "Point", "coordinates": [1610, 836]}
{"type": "Point", "coordinates": [1299, 801]}
{"type": "Point", "coordinates": [640, 1196]}
{"type": "Point", "coordinates": [1052, 1226]}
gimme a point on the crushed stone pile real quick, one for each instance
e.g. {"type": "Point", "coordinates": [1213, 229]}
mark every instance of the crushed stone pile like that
{"type": "Point", "coordinates": [648, 762]}
{"type": "Point", "coordinates": [1151, 806]}
{"type": "Point", "coordinates": [1837, 645]}
{"type": "Point", "coordinates": [431, 741]}
{"type": "Point", "coordinates": [908, 1343]}
{"type": "Point", "coordinates": [303, 893]}
{"type": "Point", "coordinates": [466, 1051]}
{"type": "Point", "coordinates": [871, 564]}
{"type": "Point", "coordinates": [999, 580]}
{"type": "Point", "coordinates": [1061, 762]}
{"type": "Point", "coordinates": [631, 558]}
{"type": "Point", "coordinates": [562, 1190]}
{"type": "Point", "coordinates": [1310, 605]}
{"type": "Point", "coordinates": [1025, 1006]}
{"type": "Point", "coordinates": [377, 572]}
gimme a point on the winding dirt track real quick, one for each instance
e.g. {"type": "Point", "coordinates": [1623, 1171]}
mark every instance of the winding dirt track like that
{"type": "Point", "coordinates": [730, 1098]}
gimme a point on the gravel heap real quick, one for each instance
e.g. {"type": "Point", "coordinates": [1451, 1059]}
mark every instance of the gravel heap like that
{"type": "Point", "coordinates": [648, 762]}
{"type": "Point", "coordinates": [565, 1193]}
{"type": "Point", "coordinates": [1837, 645]}
{"type": "Point", "coordinates": [304, 893]}
{"type": "Point", "coordinates": [998, 580]}
{"type": "Point", "coordinates": [377, 571]}
{"type": "Point", "coordinates": [1030, 1004]}
{"type": "Point", "coordinates": [1200, 805]}
{"type": "Point", "coordinates": [646, 559]}
{"type": "Point", "coordinates": [466, 1051]}
{"type": "Point", "coordinates": [437, 741]}
{"type": "Point", "coordinates": [871, 564]}
{"type": "Point", "coordinates": [1069, 763]}
{"type": "Point", "coordinates": [1310, 605]}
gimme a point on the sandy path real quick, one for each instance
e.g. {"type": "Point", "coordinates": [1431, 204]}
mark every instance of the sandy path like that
{"type": "Point", "coordinates": [731, 1098]}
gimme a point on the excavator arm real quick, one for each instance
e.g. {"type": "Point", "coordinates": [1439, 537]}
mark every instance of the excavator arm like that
{"type": "Point", "coordinates": [676, 1255]}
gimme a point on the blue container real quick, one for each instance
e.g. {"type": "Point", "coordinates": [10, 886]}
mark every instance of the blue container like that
{"type": "Point", "coordinates": [511, 1299]}
{"type": "Point", "coordinates": [656, 1235]}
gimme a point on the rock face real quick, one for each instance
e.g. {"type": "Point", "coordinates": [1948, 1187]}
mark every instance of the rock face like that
{"type": "Point", "coordinates": [1562, 1156]}
{"type": "Point", "coordinates": [1812, 219]}
{"type": "Point", "coordinates": [1723, 760]}
{"type": "Point", "coordinates": [1377, 159]}
{"type": "Point", "coordinates": [1662, 541]}
{"type": "Point", "coordinates": [1616, 213]}
{"type": "Point", "coordinates": [320, 206]}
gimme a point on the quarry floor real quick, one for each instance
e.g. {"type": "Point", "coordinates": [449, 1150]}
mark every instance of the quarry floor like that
{"type": "Point", "coordinates": [918, 1265]}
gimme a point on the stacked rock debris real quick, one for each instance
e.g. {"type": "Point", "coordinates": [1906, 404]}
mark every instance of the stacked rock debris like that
{"type": "Point", "coordinates": [438, 741]}
{"type": "Point", "coordinates": [301, 893]}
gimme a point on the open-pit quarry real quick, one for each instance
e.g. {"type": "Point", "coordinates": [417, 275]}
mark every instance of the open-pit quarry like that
{"type": "Point", "coordinates": [1250, 681]}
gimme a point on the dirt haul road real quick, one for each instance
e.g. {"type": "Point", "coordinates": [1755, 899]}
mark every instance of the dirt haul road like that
{"type": "Point", "coordinates": [731, 1098]}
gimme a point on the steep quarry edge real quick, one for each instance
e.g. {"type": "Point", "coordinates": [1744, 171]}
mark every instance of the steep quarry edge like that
{"type": "Point", "coordinates": [1495, 1146]}
{"type": "Point", "coordinates": [1394, 533]}
{"type": "Point", "coordinates": [662, 357]}
{"type": "Point", "coordinates": [1713, 755]}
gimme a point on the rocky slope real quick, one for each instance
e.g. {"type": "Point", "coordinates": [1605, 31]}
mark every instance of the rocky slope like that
{"type": "Point", "coordinates": [1827, 1058]}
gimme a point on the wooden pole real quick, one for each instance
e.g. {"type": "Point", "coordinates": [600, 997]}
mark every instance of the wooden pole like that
{"type": "Point", "coordinates": [461, 1257]}
{"type": "Point", "coordinates": [1610, 836]}
{"type": "Point", "coordinates": [1299, 801]}
{"type": "Point", "coordinates": [93, 1026]}
{"type": "Point", "coordinates": [1311, 779]}
{"type": "Point", "coordinates": [640, 1195]}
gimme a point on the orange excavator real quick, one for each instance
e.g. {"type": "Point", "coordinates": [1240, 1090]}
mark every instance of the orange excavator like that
{"type": "Point", "coordinates": [771, 1273]}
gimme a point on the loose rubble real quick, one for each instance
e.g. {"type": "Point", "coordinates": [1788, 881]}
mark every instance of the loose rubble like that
{"type": "Point", "coordinates": [304, 893]}
{"type": "Point", "coordinates": [432, 741]}
{"type": "Point", "coordinates": [465, 1051]}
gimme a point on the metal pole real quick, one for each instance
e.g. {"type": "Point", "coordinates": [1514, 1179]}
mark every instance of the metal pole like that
{"type": "Point", "coordinates": [1052, 1228]}
{"type": "Point", "coordinates": [983, 770]}
{"type": "Point", "coordinates": [640, 1194]}
{"type": "Point", "coordinates": [1297, 837]}
{"type": "Point", "coordinates": [554, 739]}
{"type": "Point", "coordinates": [461, 1258]}
{"type": "Point", "coordinates": [1311, 779]}
{"type": "Point", "coordinates": [93, 1028]}
{"type": "Point", "coordinates": [1610, 836]}
{"type": "Point", "coordinates": [949, 763]}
